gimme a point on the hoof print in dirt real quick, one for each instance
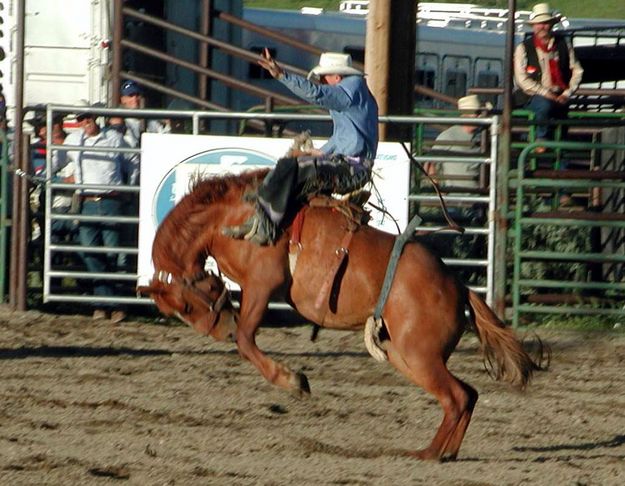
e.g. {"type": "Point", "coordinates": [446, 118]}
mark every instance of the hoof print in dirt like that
{"type": "Point", "coordinates": [115, 472]}
{"type": "Point", "coordinates": [277, 409]}
{"type": "Point", "coordinates": [303, 388]}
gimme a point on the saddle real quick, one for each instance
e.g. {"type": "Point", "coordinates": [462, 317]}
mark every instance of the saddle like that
{"type": "Point", "coordinates": [350, 205]}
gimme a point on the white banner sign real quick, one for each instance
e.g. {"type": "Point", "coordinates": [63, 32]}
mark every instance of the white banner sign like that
{"type": "Point", "coordinates": [168, 161]}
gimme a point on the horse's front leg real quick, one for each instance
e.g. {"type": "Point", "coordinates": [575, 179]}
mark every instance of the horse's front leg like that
{"type": "Point", "coordinates": [253, 306]}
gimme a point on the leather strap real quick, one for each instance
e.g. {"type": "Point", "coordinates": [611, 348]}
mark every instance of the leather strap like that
{"type": "Point", "coordinates": [295, 242]}
{"type": "Point", "coordinates": [396, 252]}
{"type": "Point", "coordinates": [340, 254]}
{"type": "Point", "coordinates": [296, 231]}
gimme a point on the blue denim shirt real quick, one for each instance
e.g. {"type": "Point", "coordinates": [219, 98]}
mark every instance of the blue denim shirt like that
{"type": "Point", "coordinates": [353, 109]}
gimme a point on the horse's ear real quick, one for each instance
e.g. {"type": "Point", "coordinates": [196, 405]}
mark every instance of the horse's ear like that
{"type": "Point", "coordinates": [149, 290]}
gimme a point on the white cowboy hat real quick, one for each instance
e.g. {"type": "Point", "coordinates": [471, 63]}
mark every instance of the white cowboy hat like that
{"type": "Point", "coordinates": [542, 13]}
{"type": "Point", "coordinates": [334, 63]}
{"type": "Point", "coordinates": [472, 104]}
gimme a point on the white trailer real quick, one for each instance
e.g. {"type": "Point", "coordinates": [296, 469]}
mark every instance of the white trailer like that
{"type": "Point", "coordinates": [66, 54]}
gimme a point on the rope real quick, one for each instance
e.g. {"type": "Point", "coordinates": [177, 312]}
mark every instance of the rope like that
{"type": "Point", "coordinates": [452, 224]}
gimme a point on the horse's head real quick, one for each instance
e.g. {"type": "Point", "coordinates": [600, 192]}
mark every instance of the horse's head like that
{"type": "Point", "coordinates": [202, 302]}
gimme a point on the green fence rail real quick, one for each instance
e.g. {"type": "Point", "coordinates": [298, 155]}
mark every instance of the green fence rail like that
{"type": "Point", "coordinates": [593, 293]}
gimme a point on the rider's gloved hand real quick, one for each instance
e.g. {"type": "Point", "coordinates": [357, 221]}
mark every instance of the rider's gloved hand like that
{"type": "Point", "coordinates": [270, 64]}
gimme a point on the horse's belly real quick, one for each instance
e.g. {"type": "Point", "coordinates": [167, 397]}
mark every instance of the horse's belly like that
{"type": "Point", "coordinates": [351, 321]}
{"type": "Point", "coordinates": [332, 299]}
{"type": "Point", "coordinates": [331, 289]}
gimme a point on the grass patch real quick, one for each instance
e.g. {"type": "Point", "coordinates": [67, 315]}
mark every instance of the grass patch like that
{"type": "Point", "coordinates": [610, 9]}
{"type": "Point", "coordinates": [583, 323]}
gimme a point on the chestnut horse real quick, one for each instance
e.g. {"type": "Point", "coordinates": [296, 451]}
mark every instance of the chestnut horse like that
{"type": "Point", "coordinates": [424, 315]}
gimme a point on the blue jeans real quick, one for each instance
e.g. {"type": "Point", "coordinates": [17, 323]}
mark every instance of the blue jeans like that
{"type": "Point", "coordinates": [545, 110]}
{"type": "Point", "coordinates": [62, 230]}
{"type": "Point", "coordinates": [100, 234]}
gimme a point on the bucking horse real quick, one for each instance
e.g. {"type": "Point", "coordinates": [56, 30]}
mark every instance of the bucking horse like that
{"type": "Point", "coordinates": [330, 267]}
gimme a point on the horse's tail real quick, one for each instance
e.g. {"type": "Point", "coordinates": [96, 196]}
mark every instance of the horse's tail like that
{"type": "Point", "coordinates": [503, 353]}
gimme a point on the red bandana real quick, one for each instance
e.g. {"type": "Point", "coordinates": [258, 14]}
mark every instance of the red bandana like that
{"type": "Point", "coordinates": [554, 63]}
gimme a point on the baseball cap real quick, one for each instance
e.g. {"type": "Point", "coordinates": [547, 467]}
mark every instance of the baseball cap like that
{"type": "Point", "coordinates": [130, 88]}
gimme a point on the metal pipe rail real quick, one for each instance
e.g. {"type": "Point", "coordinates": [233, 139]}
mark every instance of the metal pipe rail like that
{"type": "Point", "coordinates": [463, 199]}
{"type": "Point", "coordinates": [196, 117]}
{"type": "Point", "coordinates": [224, 46]}
{"type": "Point", "coordinates": [561, 218]}
{"type": "Point", "coordinates": [226, 80]}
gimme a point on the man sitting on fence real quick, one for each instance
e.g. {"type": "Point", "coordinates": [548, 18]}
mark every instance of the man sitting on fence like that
{"type": "Point", "coordinates": [546, 71]}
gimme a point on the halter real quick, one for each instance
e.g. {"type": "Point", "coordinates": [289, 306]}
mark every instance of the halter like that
{"type": "Point", "coordinates": [190, 283]}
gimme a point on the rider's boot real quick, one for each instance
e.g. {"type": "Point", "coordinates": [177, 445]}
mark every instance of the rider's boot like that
{"type": "Point", "coordinates": [257, 229]}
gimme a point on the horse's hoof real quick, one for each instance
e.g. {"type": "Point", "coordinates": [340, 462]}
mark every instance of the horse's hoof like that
{"type": "Point", "coordinates": [302, 388]}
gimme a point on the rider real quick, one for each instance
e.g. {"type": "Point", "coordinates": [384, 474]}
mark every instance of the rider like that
{"type": "Point", "coordinates": [342, 165]}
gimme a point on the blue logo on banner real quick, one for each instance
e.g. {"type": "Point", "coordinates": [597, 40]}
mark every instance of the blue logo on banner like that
{"type": "Point", "coordinates": [228, 159]}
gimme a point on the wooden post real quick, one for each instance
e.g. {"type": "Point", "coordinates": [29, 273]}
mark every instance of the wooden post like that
{"type": "Point", "coordinates": [203, 50]}
{"type": "Point", "coordinates": [503, 168]}
{"type": "Point", "coordinates": [390, 60]}
{"type": "Point", "coordinates": [19, 211]}
{"type": "Point", "coordinates": [116, 64]}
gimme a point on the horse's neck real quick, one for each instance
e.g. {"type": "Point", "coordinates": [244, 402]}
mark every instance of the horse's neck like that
{"type": "Point", "coordinates": [184, 251]}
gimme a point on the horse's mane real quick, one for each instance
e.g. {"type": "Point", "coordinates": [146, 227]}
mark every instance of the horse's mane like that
{"type": "Point", "coordinates": [214, 188]}
{"type": "Point", "coordinates": [179, 228]}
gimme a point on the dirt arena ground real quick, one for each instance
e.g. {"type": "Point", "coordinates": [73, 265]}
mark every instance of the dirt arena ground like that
{"type": "Point", "coordinates": [144, 404]}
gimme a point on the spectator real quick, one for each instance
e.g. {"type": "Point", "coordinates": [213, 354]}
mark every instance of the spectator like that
{"type": "Point", "coordinates": [546, 71]}
{"type": "Point", "coordinates": [106, 168]}
{"type": "Point", "coordinates": [118, 124]}
{"type": "Point", "coordinates": [38, 144]}
{"type": "Point", "coordinates": [61, 230]}
{"type": "Point", "coordinates": [460, 139]}
{"type": "Point", "coordinates": [131, 97]}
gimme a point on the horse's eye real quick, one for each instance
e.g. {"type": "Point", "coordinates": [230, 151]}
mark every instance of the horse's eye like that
{"type": "Point", "coordinates": [187, 308]}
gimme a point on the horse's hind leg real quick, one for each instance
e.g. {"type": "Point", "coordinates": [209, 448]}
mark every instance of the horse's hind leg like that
{"type": "Point", "coordinates": [453, 444]}
{"type": "Point", "coordinates": [457, 399]}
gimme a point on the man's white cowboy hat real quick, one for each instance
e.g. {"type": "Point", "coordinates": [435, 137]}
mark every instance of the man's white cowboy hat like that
{"type": "Point", "coordinates": [472, 104]}
{"type": "Point", "coordinates": [542, 13]}
{"type": "Point", "coordinates": [334, 63]}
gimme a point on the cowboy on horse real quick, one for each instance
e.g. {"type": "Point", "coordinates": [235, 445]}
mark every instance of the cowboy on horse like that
{"type": "Point", "coordinates": [341, 166]}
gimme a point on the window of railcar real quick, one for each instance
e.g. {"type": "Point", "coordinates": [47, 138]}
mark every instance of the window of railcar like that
{"type": "Point", "coordinates": [426, 67]}
{"type": "Point", "coordinates": [488, 75]}
{"type": "Point", "coordinates": [255, 71]}
{"type": "Point", "coordinates": [455, 83]}
{"type": "Point", "coordinates": [425, 77]}
{"type": "Point", "coordinates": [456, 75]}
{"type": "Point", "coordinates": [357, 53]}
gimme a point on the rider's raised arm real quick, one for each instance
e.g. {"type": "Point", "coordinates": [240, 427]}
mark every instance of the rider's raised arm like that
{"type": "Point", "coordinates": [331, 97]}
